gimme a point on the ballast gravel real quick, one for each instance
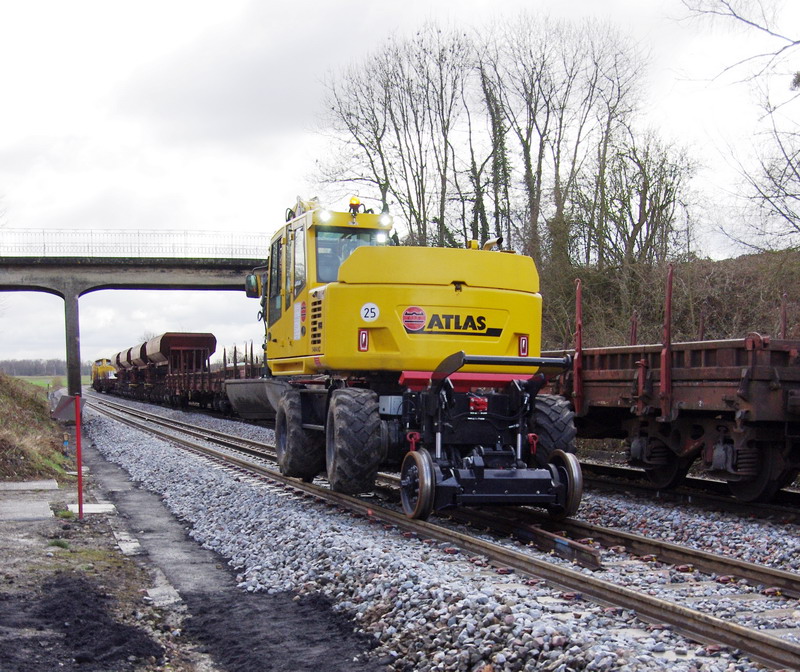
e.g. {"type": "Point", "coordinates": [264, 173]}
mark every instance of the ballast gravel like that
{"type": "Point", "coordinates": [427, 607]}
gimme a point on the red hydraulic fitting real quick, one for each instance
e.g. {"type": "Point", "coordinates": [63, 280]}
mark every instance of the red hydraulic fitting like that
{"type": "Point", "coordinates": [533, 442]}
{"type": "Point", "coordinates": [412, 438]}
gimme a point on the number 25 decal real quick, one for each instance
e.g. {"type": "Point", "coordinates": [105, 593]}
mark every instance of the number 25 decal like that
{"type": "Point", "coordinates": [370, 312]}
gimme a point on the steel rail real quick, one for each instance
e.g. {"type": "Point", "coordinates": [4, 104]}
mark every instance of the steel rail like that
{"type": "Point", "coordinates": [692, 489]}
{"type": "Point", "coordinates": [756, 644]}
{"type": "Point", "coordinates": [547, 541]}
{"type": "Point", "coordinates": [787, 582]}
{"type": "Point", "coordinates": [237, 443]}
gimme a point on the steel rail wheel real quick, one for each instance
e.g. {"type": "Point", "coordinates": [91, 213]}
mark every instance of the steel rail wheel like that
{"type": "Point", "coordinates": [417, 484]}
{"type": "Point", "coordinates": [568, 468]}
{"type": "Point", "coordinates": [672, 472]}
{"type": "Point", "coordinates": [769, 479]}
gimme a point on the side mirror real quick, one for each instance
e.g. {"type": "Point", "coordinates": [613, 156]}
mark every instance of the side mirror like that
{"type": "Point", "coordinates": [252, 286]}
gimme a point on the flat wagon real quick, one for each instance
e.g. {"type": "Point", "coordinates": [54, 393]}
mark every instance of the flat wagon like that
{"type": "Point", "coordinates": [733, 406]}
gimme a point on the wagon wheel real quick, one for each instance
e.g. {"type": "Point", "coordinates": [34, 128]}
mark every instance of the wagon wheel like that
{"type": "Point", "coordinates": [666, 476]}
{"type": "Point", "coordinates": [669, 475]}
{"type": "Point", "coordinates": [417, 484]}
{"type": "Point", "coordinates": [769, 479]}
{"type": "Point", "coordinates": [568, 467]}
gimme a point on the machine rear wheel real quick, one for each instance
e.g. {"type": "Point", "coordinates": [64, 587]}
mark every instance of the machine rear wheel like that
{"type": "Point", "coordinates": [553, 421]}
{"type": "Point", "coordinates": [353, 440]}
{"type": "Point", "coordinates": [301, 453]}
{"type": "Point", "coordinates": [569, 469]}
{"type": "Point", "coordinates": [417, 484]}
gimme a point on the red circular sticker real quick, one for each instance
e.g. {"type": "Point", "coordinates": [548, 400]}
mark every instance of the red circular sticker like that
{"type": "Point", "coordinates": [414, 318]}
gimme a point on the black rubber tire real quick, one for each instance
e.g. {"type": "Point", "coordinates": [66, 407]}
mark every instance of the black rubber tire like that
{"type": "Point", "coordinates": [553, 421]}
{"type": "Point", "coordinates": [300, 452]}
{"type": "Point", "coordinates": [353, 440]}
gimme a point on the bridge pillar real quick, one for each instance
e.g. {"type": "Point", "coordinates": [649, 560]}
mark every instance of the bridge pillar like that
{"type": "Point", "coordinates": [73, 334]}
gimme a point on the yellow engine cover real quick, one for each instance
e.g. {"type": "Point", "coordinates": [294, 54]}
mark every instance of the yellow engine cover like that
{"type": "Point", "coordinates": [407, 308]}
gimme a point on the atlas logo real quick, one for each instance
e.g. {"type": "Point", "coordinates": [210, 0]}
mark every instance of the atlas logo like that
{"type": "Point", "coordinates": [414, 318]}
{"type": "Point", "coordinates": [457, 323]}
{"type": "Point", "coordinates": [416, 321]}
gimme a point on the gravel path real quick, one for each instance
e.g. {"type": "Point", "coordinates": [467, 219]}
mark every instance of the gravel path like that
{"type": "Point", "coordinates": [428, 609]}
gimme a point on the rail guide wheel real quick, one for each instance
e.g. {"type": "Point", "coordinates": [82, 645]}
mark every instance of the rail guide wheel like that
{"type": "Point", "coordinates": [417, 484]}
{"type": "Point", "coordinates": [567, 467]}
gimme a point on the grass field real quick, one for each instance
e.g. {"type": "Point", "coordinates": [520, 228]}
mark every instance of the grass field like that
{"type": "Point", "coordinates": [30, 442]}
{"type": "Point", "coordinates": [45, 381]}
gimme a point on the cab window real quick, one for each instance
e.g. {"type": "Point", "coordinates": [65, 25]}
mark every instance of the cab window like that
{"type": "Point", "coordinates": [288, 277]}
{"type": "Point", "coordinates": [275, 273]}
{"type": "Point", "coordinates": [335, 245]}
{"type": "Point", "coordinates": [299, 261]}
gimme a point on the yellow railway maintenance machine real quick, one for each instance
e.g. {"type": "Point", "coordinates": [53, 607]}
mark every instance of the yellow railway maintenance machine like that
{"type": "Point", "coordinates": [366, 346]}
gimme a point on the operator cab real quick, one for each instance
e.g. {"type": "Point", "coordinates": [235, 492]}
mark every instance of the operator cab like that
{"type": "Point", "coordinates": [306, 253]}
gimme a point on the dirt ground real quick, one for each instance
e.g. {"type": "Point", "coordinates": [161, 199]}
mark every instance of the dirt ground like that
{"type": "Point", "coordinates": [70, 600]}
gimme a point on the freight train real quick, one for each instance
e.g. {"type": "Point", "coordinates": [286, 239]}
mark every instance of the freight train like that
{"type": "Point", "coordinates": [173, 369]}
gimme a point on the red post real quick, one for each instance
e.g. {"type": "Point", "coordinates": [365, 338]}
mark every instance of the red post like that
{"type": "Point", "coordinates": [577, 362]}
{"type": "Point", "coordinates": [665, 392]}
{"type": "Point", "coordinates": [79, 454]}
{"type": "Point", "coordinates": [784, 316]}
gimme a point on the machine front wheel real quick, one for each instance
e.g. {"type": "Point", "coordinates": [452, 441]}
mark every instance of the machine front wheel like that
{"type": "Point", "coordinates": [417, 484]}
{"type": "Point", "coordinates": [569, 470]}
{"type": "Point", "coordinates": [353, 440]}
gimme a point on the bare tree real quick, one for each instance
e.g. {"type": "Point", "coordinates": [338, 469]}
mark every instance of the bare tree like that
{"type": "Point", "coordinates": [516, 66]}
{"type": "Point", "coordinates": [620, 72]}
{"type": "Point", "coordinates": [396, 113]}
{"type": "Point", "coordinates": [760, 16]}
{"type": "Point", "coordinates": [774, 180]}
{"type": "Point", "coordinates": [646, 182]}
{"type": "Point", "coordinates": [358, 102]}
{"type": "Point", "coordinates": [466, 140]}
{"type": "Point", "coordinates": [552, 83]}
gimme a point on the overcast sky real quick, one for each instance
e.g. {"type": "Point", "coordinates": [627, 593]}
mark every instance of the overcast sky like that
{"type": "Point", "coordinates": [187, 115]}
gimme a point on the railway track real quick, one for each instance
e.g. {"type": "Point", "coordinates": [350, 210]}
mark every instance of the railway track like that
{"type": "Point", "coordinates": [673, 582]}
{"type": "Point", "coordinates": [612, 477]}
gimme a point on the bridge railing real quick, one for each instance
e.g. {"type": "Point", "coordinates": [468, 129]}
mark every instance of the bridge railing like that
{"type": "Point", "coordinates": [143, 243]}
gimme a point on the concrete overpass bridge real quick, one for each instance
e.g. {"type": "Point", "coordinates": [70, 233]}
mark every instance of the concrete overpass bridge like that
{"type": "Point", "coordinates": [70, 264]}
